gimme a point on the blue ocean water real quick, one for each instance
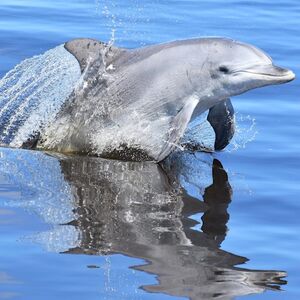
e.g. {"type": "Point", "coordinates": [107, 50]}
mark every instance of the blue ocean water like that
{"type": "Point", "coordinates": [128, 233]}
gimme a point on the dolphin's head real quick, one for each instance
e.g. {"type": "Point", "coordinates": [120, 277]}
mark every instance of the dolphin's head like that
{"type": "Point", "coordinates": [239, 67]}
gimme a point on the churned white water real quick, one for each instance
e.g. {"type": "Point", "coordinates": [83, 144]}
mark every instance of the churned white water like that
{"type": "Point", "coordinates": [33, 92]}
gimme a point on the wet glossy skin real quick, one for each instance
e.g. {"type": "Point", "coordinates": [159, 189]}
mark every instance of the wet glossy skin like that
{"type": "Point", "coordinates": [149, 88]}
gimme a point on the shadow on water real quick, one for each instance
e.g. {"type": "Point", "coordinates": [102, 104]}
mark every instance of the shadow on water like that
{"type": "Point", "coordinates": [173, 216]}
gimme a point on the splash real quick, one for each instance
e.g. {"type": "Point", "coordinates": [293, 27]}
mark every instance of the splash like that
{"type": "Point", "coordinates": [33, 92]}
{"type": "Point", "coordinates": [245, 132]}
{"type": "Point", "coordinates": [201, 136]}
{"type": "Point", "coordinates": [123, 20]}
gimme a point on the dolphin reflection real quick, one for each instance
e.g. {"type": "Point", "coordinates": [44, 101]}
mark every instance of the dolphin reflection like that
{"type": "Point", "coordinates": [151, 212]}
{"type": "Point", "coordinates": [137, 210]}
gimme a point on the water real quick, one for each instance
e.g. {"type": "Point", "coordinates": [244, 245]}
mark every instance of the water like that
{"type": "Point", "coordinates": [31, 95]}
{"type": "Point", "coordinates": [184, 230]}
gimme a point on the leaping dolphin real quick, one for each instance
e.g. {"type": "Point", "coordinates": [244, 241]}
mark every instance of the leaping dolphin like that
{"type": "Point", "coordinates": [144, 99]}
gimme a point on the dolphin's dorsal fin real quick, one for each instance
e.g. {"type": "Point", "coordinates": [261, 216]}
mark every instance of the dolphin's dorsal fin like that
{"type": "Point", "coordinates": [86, 50]}
{"type": "Point", "coordinates": [178, 127]}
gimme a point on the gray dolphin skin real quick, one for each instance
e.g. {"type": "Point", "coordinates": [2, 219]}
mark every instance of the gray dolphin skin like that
{"type": "Point", "coordinates": [145, 98]}
{"type": "Point", "coordinates": [137, 104]}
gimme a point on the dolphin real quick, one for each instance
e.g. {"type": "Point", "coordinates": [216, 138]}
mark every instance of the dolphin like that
{"type": "Point", "coordinates": [137, 104]}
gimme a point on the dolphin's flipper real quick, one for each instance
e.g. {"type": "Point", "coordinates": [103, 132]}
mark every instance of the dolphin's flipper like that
{"type": "Point", "coordinates": [178, 127]}
{"type": "Point", "coordinates": [221, 118]}
{"type": "Point", "coordinates": [87, 50]}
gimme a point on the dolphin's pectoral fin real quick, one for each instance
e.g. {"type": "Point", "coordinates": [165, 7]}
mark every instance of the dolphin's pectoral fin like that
{"type": "Point", "coordinates": [221, 118]}
{"type": "Point", "coordinates": [86, 50]}
{"type": "Point", "coordinates": [178, 127]}
{"type": "Point", "coordinates": [32, 141]}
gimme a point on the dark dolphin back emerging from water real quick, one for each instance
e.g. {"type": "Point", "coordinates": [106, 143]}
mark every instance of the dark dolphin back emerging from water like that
{"type": "Point", "coordinates": [143, 102]}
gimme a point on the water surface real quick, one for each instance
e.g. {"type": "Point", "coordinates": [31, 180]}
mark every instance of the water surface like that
{"type": "Point", "coordinates": [200, 226]}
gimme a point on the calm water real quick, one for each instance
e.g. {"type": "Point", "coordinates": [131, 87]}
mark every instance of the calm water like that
{"type": "Point", "coordinates": [223, 226]}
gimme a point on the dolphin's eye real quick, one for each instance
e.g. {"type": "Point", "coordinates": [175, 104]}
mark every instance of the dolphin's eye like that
{"type": "Point", "coordinates": [223, 69]}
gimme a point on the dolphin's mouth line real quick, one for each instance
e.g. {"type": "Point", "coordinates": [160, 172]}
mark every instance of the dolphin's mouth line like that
{"type": "Point", "coordinates": [270, 71]}
{"type": "Point", "coordinates": [266, 74]}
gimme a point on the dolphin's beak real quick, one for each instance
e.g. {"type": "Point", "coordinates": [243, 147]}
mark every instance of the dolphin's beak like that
{"type": "Point", "coordinates": [270, 72]}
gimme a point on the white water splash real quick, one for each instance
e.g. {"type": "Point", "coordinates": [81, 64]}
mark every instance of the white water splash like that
{"type": "Point", "coordinates": [245, 132]}
{"type": "Point", "coordinates": [124, 22]}
{"type": "Point", "coordinates": [33, 92]}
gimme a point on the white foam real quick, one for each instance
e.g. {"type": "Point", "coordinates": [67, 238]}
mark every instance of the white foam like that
{"type": "Point", "coordinates": [33, 92]}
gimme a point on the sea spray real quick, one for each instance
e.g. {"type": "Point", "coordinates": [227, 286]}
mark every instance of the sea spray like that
{"type": "Point", "coordinates": [124, 20]}
{"type": "Point", "coordinates": [33, 92]}
{"type": "Point", "coordinates": [245, 132]}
